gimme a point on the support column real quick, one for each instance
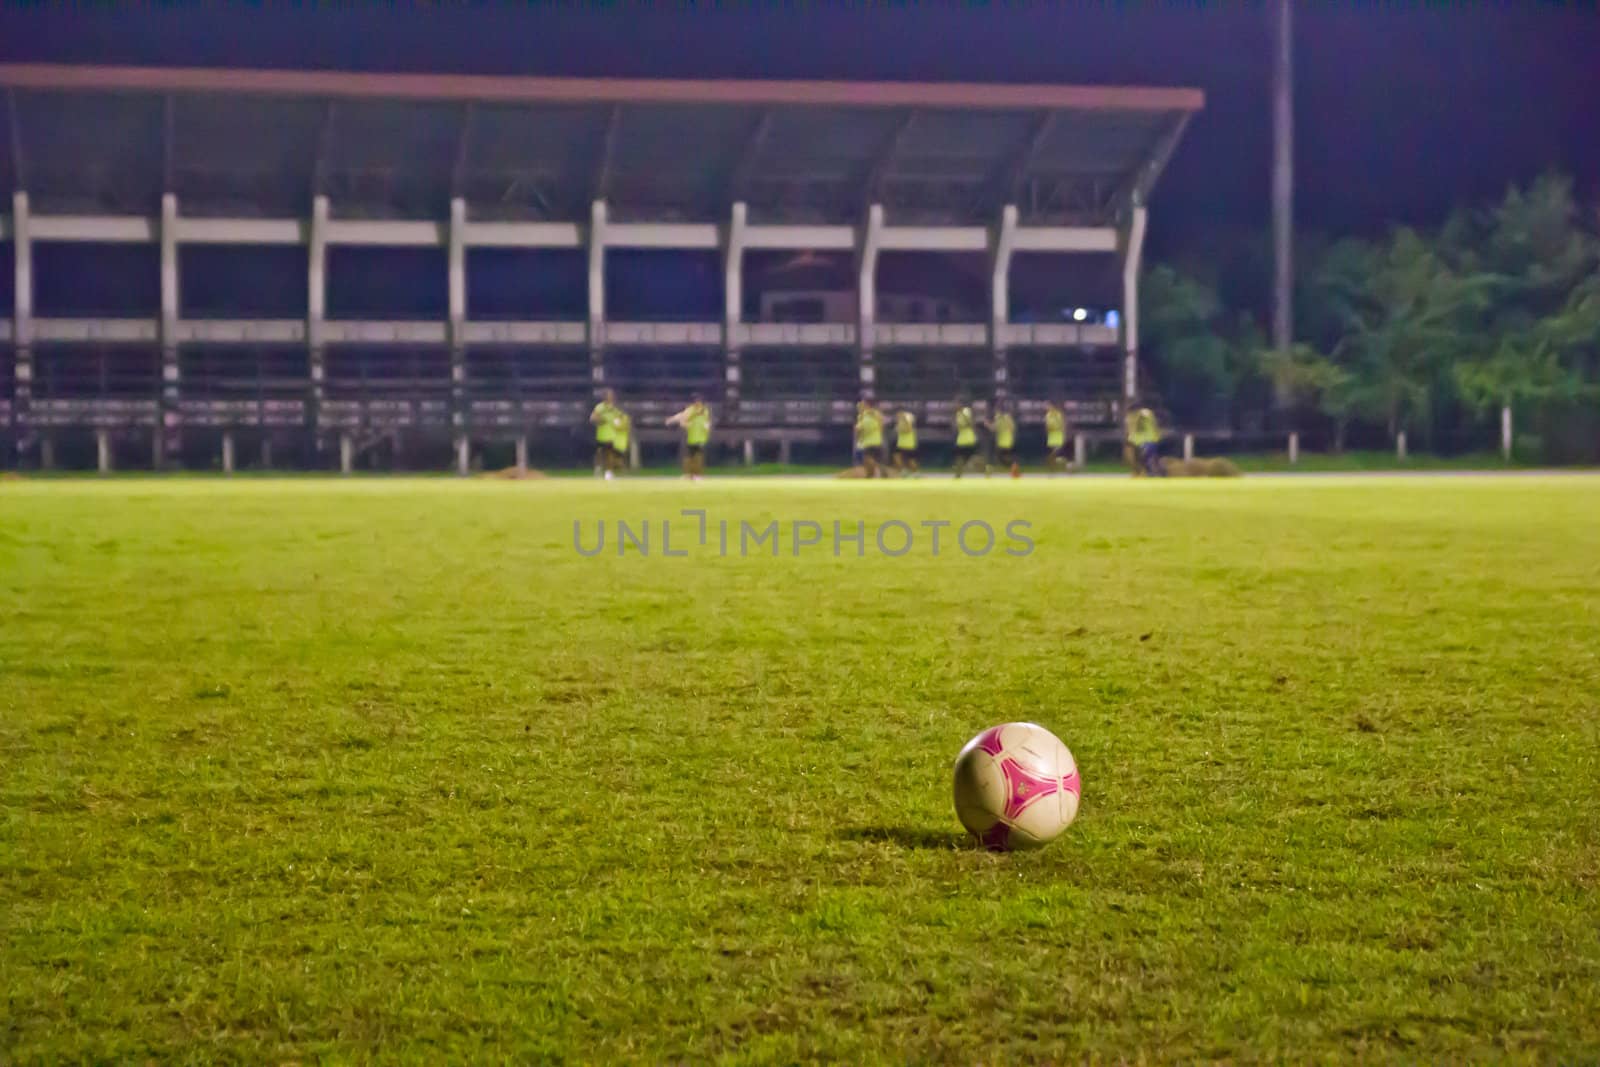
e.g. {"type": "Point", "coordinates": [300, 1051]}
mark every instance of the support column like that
{"type": "Point", "coordinates": [227, 452]}
{"type": "Point", "coordinates": [867, 298]}
{"type": "Point", "coordinates": [347, 454]}
{"type": "Point", "coordinates": [522, 455]}
{"type": "Point", "coordinates": [169, 427]}
{"type": "Point", "coordinates": [316, 315]}
{"type": "Point", "coordinates": [47, 452]}
{"type": "Point", "coordinates": [634, 459]}
{"type": "Point", "coordinates": [1294, 448]}
{"type": "Point", "coordinates": [1132, 253]}
{"type": "Point", "coordinates": [458, 314]}
{"type": "Point", "coordinates": [597, 295]}
{"type": "Point", "coordinates": [1000, 296]}
{"type": "Point", "coordinates": [1505, 432]}
{"type": "Point", "coordinates": [733, 304]}
{"type": "Point", "coordinates": [749, 452]}
{"type": "Point", "coordinates": [266, 453]}
{"type": "Point", "coordinates": [463, 455]}
{"type": "Point", "coordinates": [1188, 447]}
{"type": "Point", "coordinates": [1400, 446]}
{"type": "Point", "coordinates": [785, 451]}
{"type": "Point", "coordinates": [102, 448]}
{"type": "Point", "coordinates": [1080, 450]}
{"type": "Point", "coordinates": [21, 320]}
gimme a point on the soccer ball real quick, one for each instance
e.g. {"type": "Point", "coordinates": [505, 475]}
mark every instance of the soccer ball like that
{"type": "Point", "coordinates": [1016, 786]}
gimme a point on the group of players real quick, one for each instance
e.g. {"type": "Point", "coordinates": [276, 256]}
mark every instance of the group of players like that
{"type": "Point", "coordinates": [613, 432]}
{"type": "Point", "coordinates": [1002, 428]}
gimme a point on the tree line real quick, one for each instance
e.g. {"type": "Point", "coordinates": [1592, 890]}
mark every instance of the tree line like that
{"type": "Point", "coordinates": [1448, 335]}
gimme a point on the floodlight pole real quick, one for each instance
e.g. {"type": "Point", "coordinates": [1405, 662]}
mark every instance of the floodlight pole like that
{"type": "Point", "coordinates": [1283, 183]}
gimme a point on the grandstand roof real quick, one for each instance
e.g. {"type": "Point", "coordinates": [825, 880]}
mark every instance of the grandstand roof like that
{"type": "Point", "coordinates": [84, 139]}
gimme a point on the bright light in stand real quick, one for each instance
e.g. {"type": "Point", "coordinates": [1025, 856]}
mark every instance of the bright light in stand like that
{"type": "Point", "coordinates": [1080, 314]}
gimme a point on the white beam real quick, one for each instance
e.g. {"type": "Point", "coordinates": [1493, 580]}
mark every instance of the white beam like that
{"type": "Point", "coordinates": [146, 331]}
{"type": "Point", "coordinates": [426, 233]}
{"type": "Point", "coordinates": [524, 235]}
{"type": "Point", "coordinates": [1067, 239]}
{"type": "Point", "coordinates": [243, 231]}
{"type": "Point", "coordinates": [1132, 254]}
{"type": "Point", "coordinates": [934, 239]}
{"type": "Point", "coordinates": [801, 238]}
{"type": "Point", "coordinates": [529, 333]}
{"type": "Point", "coordinates": [390, 232]}
{"type": "Point", "coordinates": [110, 229]}
{"type": "Point", "coordinates": [242, 331]}
{"type": "Point", "coordinates": [385, 331]}
{"type": "Point", "coordinates": [686, 235]}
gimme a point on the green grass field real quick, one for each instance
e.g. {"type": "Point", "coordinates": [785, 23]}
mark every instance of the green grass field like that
{"type": "Point", "coordinates": [386, 770]}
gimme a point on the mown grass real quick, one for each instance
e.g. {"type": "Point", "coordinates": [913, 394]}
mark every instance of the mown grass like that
{"type": "Point", "coordinates": [385, 770]}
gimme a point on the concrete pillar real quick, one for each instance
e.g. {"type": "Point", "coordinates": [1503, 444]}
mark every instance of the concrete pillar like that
{"type": "Point", "coordinates": [158, 451]}
{"type": "Point", "coordinates": [1080, 451]}
{"type": "Point", "coordinates": [1132, 254]}
{"type": "Point", "coordinates": [733, 304]}
{"type": "Point", "coordinates": [785, 452]}
{"type": "Point", "coordinates": [457, 268]}
{"type": "Point", "coordinates": [1400, 446]}
{"type": "Point", "coordinates": [1003, 245]}
{"type": "Point", "coordinates": [316, 311]}
{"type": "Point", "coordinates": [1505, 432]}
{"type": "Point", "coordinates": [102, 447]}
{"type": "Point", "coordinates": [749, 452]}
{"type": "Point", "coordinates": [21, 313]}
{"type": "Point", "coordinates": [522, 455]}
{"type": "Point", "coordinates": [47, 453]}
{"type": "Point", "coordinates": [1188, 447]}
{"type": "Point", "coordinates": [634, 459]}
{"type": "Point", "coordinates": [1294, 448]}
{"type": "Point", "coordinates": [867, 298]}
{"type": "Point", "coordinates": [170, 412]}
{"type": "Point", "coordinates": [266, 453]}
{"type": "Point", "coordinates": [347, 454]}
{"type": "Point", "coordinates": [227, 452]}
{"type": "Point", "coordinates": [463, 455]}
{"type": "Point", "coordinates": [597, 294]}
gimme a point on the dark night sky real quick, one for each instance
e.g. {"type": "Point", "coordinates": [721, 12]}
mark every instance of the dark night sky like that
{"type": "Point", "coordinates": [1403, 111]}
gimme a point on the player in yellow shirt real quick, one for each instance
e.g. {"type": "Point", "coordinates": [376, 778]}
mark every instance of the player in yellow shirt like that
{"type": "Point", "coordinates": [696, 422]}
{"type": "Point", "coordinates": [601, 418]}
{"type": "Point", "coordinates": [1055, 436]}
{"type": "Point", "coordinates": [869, 438]}
{"type": "Point", "coordinates": [621, 435]}
{"type": "Point", "coordinates": [1004, 428]}
{"type": "Point", "coordinates": [1144, 441]}
{"type": "Point", "coordinates": [966, 426]}
{"type": "Point", "coordinates": [905, 441]}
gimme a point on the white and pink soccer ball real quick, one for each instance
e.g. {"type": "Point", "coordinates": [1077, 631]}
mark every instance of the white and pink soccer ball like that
{"type": "Point", "coordinates": [1016, 786]}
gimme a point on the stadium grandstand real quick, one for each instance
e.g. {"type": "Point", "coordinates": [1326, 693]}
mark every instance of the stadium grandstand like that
{"type": "Point", "coordinates": [309, 266]}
